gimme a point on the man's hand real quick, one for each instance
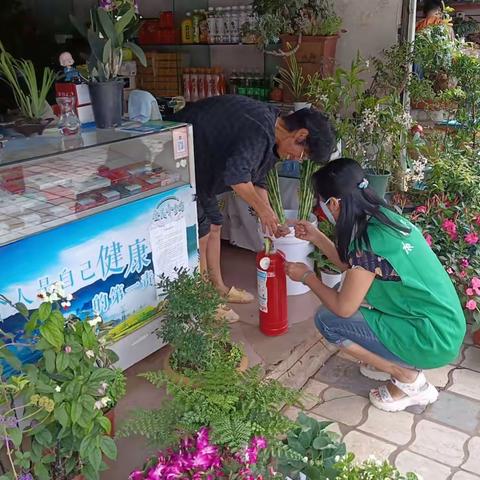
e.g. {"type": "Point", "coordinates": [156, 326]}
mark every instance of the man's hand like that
{"type": "Point", "coordinates": [297, 271]}
{"type": "Point", "coordinates": [269, 220]}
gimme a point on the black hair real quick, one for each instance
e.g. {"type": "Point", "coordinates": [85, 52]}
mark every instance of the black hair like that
{"type": "Point", "coordinates": [429, 5]}
{"type": "Point", "coordinates": [341, 179]}
{"type": "Point", "coordinates": [321, 140]}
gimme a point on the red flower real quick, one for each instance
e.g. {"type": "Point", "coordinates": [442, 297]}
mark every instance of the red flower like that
{"type": "Point", "coordinates": [421, 209]}
{"type": "Point", "coordinates": [451, 228]}
{"type": "Point", "coordinates": [464, 263]}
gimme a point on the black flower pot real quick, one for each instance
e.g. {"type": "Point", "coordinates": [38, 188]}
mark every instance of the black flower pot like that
{"type": "Point", "coordinates": [107, 103]}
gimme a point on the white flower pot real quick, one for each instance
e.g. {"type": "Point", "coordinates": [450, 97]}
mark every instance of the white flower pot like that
{"type": "Point", "coordinates": [332, 279]}
{"type": "Point", "coordinates": [300, 105]}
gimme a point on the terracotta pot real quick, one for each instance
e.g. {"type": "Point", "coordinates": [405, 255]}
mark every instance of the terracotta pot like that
{"type": "Point", "coordinates": [476, 337]}
{"type": "Point", "coordinates": [110, 414]}
{"type": "Point", "coordinates": [179, 378]}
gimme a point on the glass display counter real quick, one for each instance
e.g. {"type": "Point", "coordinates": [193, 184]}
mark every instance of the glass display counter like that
{"type": "Point", "coordinates": [106, 213]}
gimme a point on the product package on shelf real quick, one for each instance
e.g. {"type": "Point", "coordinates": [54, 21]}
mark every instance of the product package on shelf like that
{"type": "Point", "coordinates": [159, 31]}
{"type": "Point", "coordinates": [83, 103]}
{"type": "Point", "coordinates": [199, 83]}
{"type": "Point", "coordinates": [163, 74]}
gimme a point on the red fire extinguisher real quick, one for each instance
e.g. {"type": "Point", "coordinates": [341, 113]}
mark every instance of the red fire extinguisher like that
{"type": "Point", "coordinates": [272, 291]}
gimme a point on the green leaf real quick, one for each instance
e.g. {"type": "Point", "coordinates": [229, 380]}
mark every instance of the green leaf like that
{"type": "Point", "coordinates": [52, 332]}
{"type": "Point", "coordinates": [87, 446]}
{"type": "Point", "coordinates": [108, 447]}
{"type": "Point", "coordinates": [44, 311]}
{"type": "Point", "coordinates": [49, 356]}
{"type": "Point", "coordinates": [41, 471]}
{"type": "Point", "coordinates": [76, 411]}
{"type": "Point", "coordinates": [107, 52]}
{"type": "Point", "coordinates": [138, 52]}
{"type": "Point", "coordinates": [95, 458]}
{"type": "Point", "coordinates": [124, 21]}
{"type": "Point", "coordinates": [89, 473]}
{"type": "Point", "coordinates": [22, 309]}
{"type": "Point", "coordinates": [107, 25]}
{"type": "Point", "coordinates": [61, 415]}
{"type": "Point", "coordinates": [15, 435]}
{"type": "Point", "coordinates": [321, 442]}
{"type": "Point", "coordinates": [62, 361]}
{"type": "Point", "coordinates": [44, 437]}
{"type": "Point", "coordinates": [104, 422]}
{"type": "Point", "coordinates": [32, 324]}
{"type": "Point", "coordinates": [10, 358]}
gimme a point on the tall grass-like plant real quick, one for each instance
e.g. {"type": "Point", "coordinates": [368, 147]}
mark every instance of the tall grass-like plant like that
{"type": "Point", "coordinates": [274, 195]}
{"type": "Point", "coordinates": [20, 75]}
{"type": "Point", "coordinates": [292, 78]}
{"type": "Point", "coordinates": [306, 193]}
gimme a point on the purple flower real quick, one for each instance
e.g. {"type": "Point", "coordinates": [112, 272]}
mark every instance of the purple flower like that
{"type": "Point", "coordinates": [25, 476]}
{"type": "Point", "coordinates": [259, 443]}
{"type": "Point", "coordinates": [9, 422]}
{"type": "Point", "coordinates": [202, 437]}
{"type": "Point", "coordinates": [107, 5]}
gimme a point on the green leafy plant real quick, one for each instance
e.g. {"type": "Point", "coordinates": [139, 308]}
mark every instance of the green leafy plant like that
{"type": "Point", "coordinates": [236, 407]}
{"type": "Point", "coordinates": [198, 338]}
{"type": "Point", "coordinates": [309, 448]}
{"type": "Point", "coordinates": [293, 17]}
{"type": "Point", "coordinates": [292, 79]}
{"type": "Point", "coordinates": [107, 35]}
{"type": "Point", "coordinates": [20, 75]}
{"type": "Point", "coordinates": [56, 407]}
{"type": "Point", "coordinates": [322, 263]}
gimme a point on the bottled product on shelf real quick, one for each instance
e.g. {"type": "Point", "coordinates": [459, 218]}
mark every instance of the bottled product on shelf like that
{"type": "Point", "coordinates": [187, 29]}
{"type": "Point", "coordinates": [221, 25]}
{"type": "Point", "coordinates": [199, 83]}
{"type": "Point", "coordinates": [250, 84]}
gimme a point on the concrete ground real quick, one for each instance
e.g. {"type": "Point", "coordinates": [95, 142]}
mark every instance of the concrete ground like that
{"type": "Point", "coordinates": [441, 442]}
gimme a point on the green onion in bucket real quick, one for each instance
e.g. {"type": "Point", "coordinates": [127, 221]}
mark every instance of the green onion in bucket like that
{"type": "Point", "coordinates": [274, 196]}
{"type": "Point", "coordinates": [306, 193]}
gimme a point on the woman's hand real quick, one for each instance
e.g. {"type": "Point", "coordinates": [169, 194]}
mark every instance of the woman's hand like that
{"type": "Point", "coordinates": [282, 231]}
{"type": "Point", "coordinates": [296, 271]}
{"type": "Point", "coordinates": [306, 231]}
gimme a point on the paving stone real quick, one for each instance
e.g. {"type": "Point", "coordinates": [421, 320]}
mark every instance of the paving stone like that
{"type": "Point", "coordinates": [292, 413]}
{"type": "Point", "coordinates": [439, 443]}
{"type": "Point", "coordinates": [466, 382]}
{"type": "Point", "coordinates": [439, 376]}
{"type": "Point", "coordinates": [364, 446]}
{"type": "Point", "coordinates": [455, 411]}
{"type": "Point", "coordinates": [472, 359]}
{"type": "Point", "coordinates": [346, 375]}
{"type": "Point", "coordinates": [473, 462]}
{"type": "Point", "coordinates": [428, 469]}
{"type": "Point", "coordinates": [396, 427]}
{"type": "Point", "coordinates": [312, 391]}
{"type": "Point", "coordinates": [465, 476]}
{"type": "Point", "coordinates": [342, 406]}
{"type": "Point", "coordinates": [468, 336]}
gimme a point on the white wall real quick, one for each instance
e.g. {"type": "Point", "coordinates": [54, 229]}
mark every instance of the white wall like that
{"type": "Point", "coordinates": [372, 25]}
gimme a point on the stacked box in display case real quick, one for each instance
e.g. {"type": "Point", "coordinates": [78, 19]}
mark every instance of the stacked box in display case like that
{"type": "Point", "coordinates": [163, 74]}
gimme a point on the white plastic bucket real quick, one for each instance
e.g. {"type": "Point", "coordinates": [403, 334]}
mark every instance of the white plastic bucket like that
{"type": "Point", "coordinates": [295, 250]}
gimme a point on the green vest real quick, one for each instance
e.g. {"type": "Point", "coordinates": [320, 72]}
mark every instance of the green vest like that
{"type": "Point", "coordinates": [419, 318]}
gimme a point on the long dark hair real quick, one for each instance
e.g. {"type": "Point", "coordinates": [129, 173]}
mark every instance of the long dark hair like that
{"type": "Point", "coordinates": [341, 179]}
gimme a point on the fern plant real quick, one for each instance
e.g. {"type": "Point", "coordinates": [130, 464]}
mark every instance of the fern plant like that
{"type": "Point", "coordinates": [235, 406]}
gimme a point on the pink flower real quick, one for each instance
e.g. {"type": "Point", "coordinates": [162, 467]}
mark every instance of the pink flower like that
{"type": "Point", "coordinates": [463, 274]}
{"type": "Point", "coordinates": [68, 349]}
{"type": "Point", "coordinates": [451, 228]}
{"type": "Point", "coordinates": [471, 305]}
{"type": "Point", "coordinates": [464, 263]}
{"type": "Point", "coordinates": [475, 282]}
{"type": "Point", "coordinates": [428, 239]}
{"type": "Point", "coordinates": [136, 475]}
{"type": "Point", "coordinates": [450, 271]}
{"type": "Point", "coordinates": [477, 220]}
{"type": "Point", "coordinates": [470, 292]}
{"type": "Point", "coordinates": [421, 209]}
{"type": "Point", "coordinates": [471, 238]}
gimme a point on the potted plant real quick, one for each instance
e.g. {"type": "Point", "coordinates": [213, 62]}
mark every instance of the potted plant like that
{"type": "Point", "coordinates": [30, 97]}
{"type": "Point", "coordinates": [307, 28]}
{"type": "Point", "coordinates": [61, 422]}
{"type": "Point", "coordinates": [108, 37]}
{"type": "Point", "coordinates": [292, 80]}
{"type": "Point", "coordinates": [196, 338]}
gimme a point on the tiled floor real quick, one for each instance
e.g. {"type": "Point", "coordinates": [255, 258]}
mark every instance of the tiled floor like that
{"type": "Point", "coordinates": [440, 442]}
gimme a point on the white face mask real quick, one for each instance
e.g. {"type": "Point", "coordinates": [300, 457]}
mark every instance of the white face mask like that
{"type": "Point", "coordinates": [326, 211]}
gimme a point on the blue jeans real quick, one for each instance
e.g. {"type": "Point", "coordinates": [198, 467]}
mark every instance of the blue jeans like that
{"type": "Point", "coordinates": [345, 331]}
